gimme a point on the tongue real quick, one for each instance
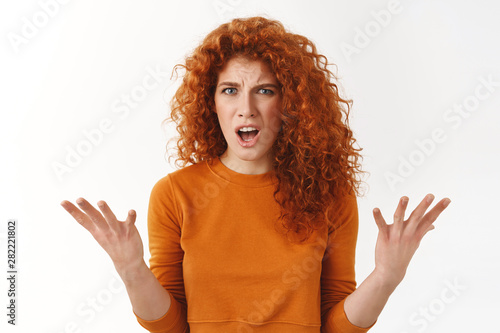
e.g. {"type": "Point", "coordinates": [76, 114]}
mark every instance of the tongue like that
{"type": "Point", "coordinates": [248, 136]}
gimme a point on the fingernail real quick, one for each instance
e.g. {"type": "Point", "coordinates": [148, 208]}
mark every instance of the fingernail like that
{"type": "Point", "coordinates": [446, 203]}
{"type": "Point", "coordinates": [404, 200]}
{"type": "Point", "coordinates": [79, 201]}
{"type": "Point", "coordinates": [430, 197]}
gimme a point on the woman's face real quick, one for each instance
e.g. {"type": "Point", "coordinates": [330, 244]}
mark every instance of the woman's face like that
{"type": "Point", "coordinates": [248, 105]}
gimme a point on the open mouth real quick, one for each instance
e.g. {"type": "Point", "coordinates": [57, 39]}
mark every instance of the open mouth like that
{"type": "Point", "coordinates": [248, 133]}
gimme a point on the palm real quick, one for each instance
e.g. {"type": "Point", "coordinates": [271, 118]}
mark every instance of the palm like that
{"type": "Point", "coordinates": [120, 239]}
{"type": "Point", "coordinates": [397, 242]}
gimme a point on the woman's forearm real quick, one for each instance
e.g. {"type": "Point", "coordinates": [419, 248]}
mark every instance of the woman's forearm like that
{"type": "Point", "coordinates": [150, 301]}
{"type": "Point", "coordinates": [365, 304]}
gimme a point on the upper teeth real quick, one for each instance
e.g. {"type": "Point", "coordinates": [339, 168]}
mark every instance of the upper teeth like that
{"type": "Point", "coordinates": [248, 129]}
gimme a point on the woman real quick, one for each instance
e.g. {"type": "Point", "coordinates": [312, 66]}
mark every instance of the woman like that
{"type": "Point", "coordinates": [258, 233]}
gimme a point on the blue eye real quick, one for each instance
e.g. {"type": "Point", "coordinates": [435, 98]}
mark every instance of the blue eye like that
{"type": "Point", "coordinates": [266, 91]}
{"type": "Point", "coordinates": [229, 91]}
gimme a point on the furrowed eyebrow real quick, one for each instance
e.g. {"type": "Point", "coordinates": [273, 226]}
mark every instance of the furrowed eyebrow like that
{"type": "Point", "coordinates": [227, 83]}
{"type": "Point", "coordinates": [260, 86]}
{"type": "Point", "coordinates": [267, 85]}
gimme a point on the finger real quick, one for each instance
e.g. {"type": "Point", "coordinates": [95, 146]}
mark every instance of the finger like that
{"type": "Point", "coordinates": [379, 219]}
{"type": "Point", "coordinates": [399, 215]}
{"type": "Point", "coordinates": [433, 214]}
{"type": "Point", "coordinates": [108, 214]}
{"type": "Point", "coordinates": [431, 227]}
{"type": "Point", "coordinates": [78, 215]}
{"type": "Point", "coordinates": [421, 208]}
{"type": "Point", "coordinates": [131, 217]}
{"type": "Point", "coordinates": [93, 213]}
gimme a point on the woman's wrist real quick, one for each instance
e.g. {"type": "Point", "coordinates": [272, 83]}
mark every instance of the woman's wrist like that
{"type": "Point", "coordinates": [133, 272]}
{"type": "Point", "coordinates": [387, 280]}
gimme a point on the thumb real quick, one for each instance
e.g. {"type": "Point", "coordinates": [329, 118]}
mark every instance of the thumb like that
{"type": "Point", "coordinates": [431, 227]}
{"type": "Point", "coordinates": [379, 219]}
{"type": "Point", "coordinates": [131, 217]}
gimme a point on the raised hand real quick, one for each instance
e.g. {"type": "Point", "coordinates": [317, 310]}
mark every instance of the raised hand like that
{"type": "Point", "coordinates": [120, 239]}
{"type": "Point", "coordinates": [397, 242]}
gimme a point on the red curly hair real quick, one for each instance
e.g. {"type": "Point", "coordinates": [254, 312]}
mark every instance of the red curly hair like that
{"type": "Point", "coordinates": [315, 161]}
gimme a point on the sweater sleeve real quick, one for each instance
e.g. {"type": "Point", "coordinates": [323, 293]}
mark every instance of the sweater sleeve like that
{"type": "Point", "coordinates": [338, 274]}
{"type": "Point", "coordinates": [164, 231]}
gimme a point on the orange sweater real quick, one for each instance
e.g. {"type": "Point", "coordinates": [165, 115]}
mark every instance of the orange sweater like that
{"type": "Point", "coordinates": [215, 249]}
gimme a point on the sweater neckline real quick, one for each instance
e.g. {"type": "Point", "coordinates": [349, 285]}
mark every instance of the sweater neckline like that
{"type": "Point", "coordinates": [220, 170]}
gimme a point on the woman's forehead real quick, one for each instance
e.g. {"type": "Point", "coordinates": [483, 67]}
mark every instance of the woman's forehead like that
{"type": "Point", "coordinates": [244, 68]}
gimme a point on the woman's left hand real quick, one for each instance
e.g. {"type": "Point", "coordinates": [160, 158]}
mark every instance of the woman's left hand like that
{"type": "Point", "coordinates": [397, 242]}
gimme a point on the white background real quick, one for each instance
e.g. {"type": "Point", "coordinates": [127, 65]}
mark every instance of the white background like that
{"type": "Point", "coordinates": [405, 78]}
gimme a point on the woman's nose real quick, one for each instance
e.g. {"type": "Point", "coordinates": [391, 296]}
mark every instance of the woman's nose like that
{"type": "Point", "coordinates": [246, 107]}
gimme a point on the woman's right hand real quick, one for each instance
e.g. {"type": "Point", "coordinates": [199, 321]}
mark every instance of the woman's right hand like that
{"type": "Point", "coordinates": [120, 239]}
